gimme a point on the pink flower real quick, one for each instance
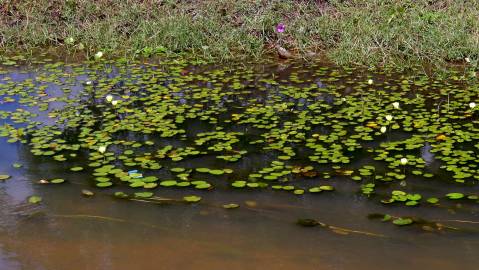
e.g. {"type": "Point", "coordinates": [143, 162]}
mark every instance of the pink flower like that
{"type": "Point", "coordinates": [280, 28]}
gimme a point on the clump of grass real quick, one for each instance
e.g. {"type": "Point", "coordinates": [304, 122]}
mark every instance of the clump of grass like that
{"type": "Point", "coordinates": [371, 32]}
{"type": "Point", "coordinates": [401, 32]}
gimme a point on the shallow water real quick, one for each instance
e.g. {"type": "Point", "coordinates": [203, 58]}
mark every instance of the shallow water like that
{"type": "Point", "coordinates": [69, 231]}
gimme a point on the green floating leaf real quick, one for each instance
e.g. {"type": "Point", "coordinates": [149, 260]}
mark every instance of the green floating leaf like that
{"type": "Point", "coordinates": [288, 188]}
{"type": "Point", "coordinates": [411, 203]}
{"type": "Point", "coordinates": [137, 184]}
{"type": "Point", "coordinates": [386, 218]}
{"type": "Point", "coordinates": [102, 179]}
{"type": "Point", "coordinates": [202, 170]}
{"type": "Point", "coordinates": [57, 181]}
{"type": "Point", "coordinates": [4, 176]}
{"type": "Point", "coordinates": [76, 169]}
{"type": "Point", "coordinates": [34, 199]}
{"type": "Point", "coordinates": [216, 172]}
{"type": "Point", "coordinates": [203, 186]}
{"type": "Point", "coordinates": [120, 194]}
{"type": "Point", "coordinates": [150, 185]}
{"type": "Point", "coordinates": [455, 196]}
{"type": "Point", "coordinates": [433, 200]}
{"type": "Point", "coordinates": [168, 183]}
{"type": "Point", "coordinates": [414, 197]}
{"type": "Point", "coordinates": [230, 206]}
{"type": "Point", "coordinates": [402, 221]}
{"type": "Point", "coordinates": [104, 184]}
{"type": "Point", "coordinates": [315, 190]}
{"type": "Point", "coordinates": [183, 184]}
{"type": "Point", "coordinates": [143, 194]}
{"type": "Point", "coordinates": [238, 184]}
{"type": "Point", "coordinates": [17, 165]}
{"type": "Point", "coordinates": [192, 198]}
{"type": "Point", "coordinates": [252, 185]}
{"type": "Point", "coordinates": [326, 188]}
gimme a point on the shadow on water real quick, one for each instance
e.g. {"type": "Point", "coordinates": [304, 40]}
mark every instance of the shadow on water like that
{"type": "Point", "coordinates": [70, 231]}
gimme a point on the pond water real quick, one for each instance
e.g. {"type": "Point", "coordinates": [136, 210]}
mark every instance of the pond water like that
{"type": "Point", "coordinates": [277, 166]}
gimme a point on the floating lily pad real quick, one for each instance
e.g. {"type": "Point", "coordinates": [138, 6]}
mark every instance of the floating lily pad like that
{"type": "Point", "coordinates": [34, 199]}
{"type": "Point", "coordinates": [315, 190]}
{"type": "Point", "coordinates": [57, 181]}
{"type": "Point", "coordinates": [455, 196]}
{"type": "Point", "coordinates": [238, 184]}
{"type": "Point", "coordinates": [150, 185]}
{"type": "Point", "coordinates": [192, 198]}
{"type": "Point", "coordinates": [216, 172]}
{"type": "Point", "coordinates": [230, 206]}
{"type": "Point", "coordinates": [143, 194]}
{"type": "Point", "coordinates": [202, 170]}
{"type": "Point", "coordinates": [402, 221]}
{"type": "Point", "coordinates": [183, 184]}
{"type": "Point", "coordinates": [104, 184]}
{"type": "Point", "coordinates": [168, 183]}
{"type": "Point", "coordinates": [177, 169]}
{"type": "Point", "coordinates": [327, 188]}
{"type": "Point", "coordinates": [433, 200]}
{"type": "Point", "coordinates": [120, 194]}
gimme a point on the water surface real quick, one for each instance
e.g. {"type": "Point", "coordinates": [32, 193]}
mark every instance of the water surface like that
{"type": "Point", "coordinates": [68, 230]}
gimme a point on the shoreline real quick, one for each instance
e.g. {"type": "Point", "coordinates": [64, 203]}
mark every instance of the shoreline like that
{"type": "Point", "coordinates": [368, 33]}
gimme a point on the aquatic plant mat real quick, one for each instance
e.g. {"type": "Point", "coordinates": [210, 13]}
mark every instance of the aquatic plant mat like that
{"type": "Point", "coordinates": [134, 130]}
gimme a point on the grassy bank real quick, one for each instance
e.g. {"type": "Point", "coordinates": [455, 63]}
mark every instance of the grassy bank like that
{"type": "Point", "coordinates": [373, 32]}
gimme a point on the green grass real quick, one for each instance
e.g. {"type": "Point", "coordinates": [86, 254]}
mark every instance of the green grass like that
{"type": "Point", "coordinates": [371, 32]}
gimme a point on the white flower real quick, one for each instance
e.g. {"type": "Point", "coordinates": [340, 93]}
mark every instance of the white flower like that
{"type": "Point", "coordinates": [102, 149]}
{"type": "Point", "coordinates": [383, 129]}
{"type": "Point", "coordinates": [370, 81]}
{"type": "Point", "coordinates": [88, 82]}
{"type": "Point", "coordinates": [396, 105]}
{"type": "Point", "coordinates": [403, 161]}
{"type": "Point", "coordinates": [98, 55]}
{"type": "Point", "coordinates": [389, 117]}
{"type": "Point", "coordinates": [472, 105]}
{"type": "Point", "coordinates": [467, 60]}
{"type": "Point", "coordinates": [109, 98]}
{"type": "Point", "coordinates": [114, 102]}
